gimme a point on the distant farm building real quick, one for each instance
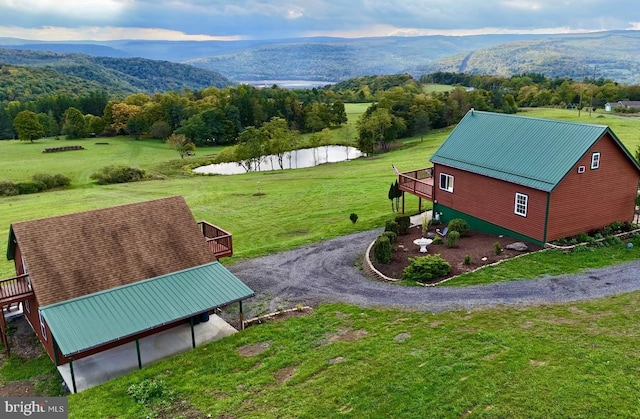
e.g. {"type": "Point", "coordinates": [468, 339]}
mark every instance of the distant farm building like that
{"type": "Point", "coordinates": [624, 104]}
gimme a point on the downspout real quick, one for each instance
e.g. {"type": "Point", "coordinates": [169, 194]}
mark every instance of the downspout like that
{"type": "Point", "coordinates": [546, 218]}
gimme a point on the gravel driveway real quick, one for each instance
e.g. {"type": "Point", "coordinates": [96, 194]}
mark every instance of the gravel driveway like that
{"type": "Point", "coordinates": [329, 272]}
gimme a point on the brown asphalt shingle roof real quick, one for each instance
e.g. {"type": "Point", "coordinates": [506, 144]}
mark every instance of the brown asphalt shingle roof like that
{"type": "Point", "coordinates": [79, 254]}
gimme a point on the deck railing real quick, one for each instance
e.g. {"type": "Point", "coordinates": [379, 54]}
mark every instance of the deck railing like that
{"type": "Point", "coordinates": [219, 241]}
{"type": "Point", "coordinates": [15, 289]}
{"type": "Point", "coordinates": [417, 182]}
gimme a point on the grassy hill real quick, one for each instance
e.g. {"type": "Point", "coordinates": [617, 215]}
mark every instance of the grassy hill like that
{"type": "Point", "coordinates": [117, 75]}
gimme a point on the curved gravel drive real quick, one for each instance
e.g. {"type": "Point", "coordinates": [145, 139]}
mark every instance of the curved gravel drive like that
{"type": "Point", "coordinates": [329, 272]}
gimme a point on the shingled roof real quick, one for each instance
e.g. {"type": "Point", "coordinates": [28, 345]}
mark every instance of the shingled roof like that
{"type": "Point", "coordinates": [79, 254]}
{"type": "Point", "coordinates": [532, 152]}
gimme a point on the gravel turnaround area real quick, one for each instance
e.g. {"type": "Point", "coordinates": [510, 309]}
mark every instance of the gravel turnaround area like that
{"type": "Point", "coordinates": [330, 272]}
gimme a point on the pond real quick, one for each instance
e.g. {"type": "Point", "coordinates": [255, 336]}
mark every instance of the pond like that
{"type": "Point", "coordinates": [297, 159]}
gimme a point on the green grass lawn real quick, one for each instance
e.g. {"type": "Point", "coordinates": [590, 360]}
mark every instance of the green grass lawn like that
{"type": "Point", "coordinates": [576, 360]}
{"type": "Point", "coordinates": [571, 360]}
{"type": "Point", "coordinates": [437, 88]}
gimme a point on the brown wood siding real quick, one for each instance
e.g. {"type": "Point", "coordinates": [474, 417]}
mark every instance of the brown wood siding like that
{"type": "Point", "coordinates": [492, 200]}
{"type": "Point", "coordinates": [595, 198]}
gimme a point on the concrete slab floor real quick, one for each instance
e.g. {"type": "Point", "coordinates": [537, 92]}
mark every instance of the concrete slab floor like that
{"type": "Point", "coordinates": [101, 367]}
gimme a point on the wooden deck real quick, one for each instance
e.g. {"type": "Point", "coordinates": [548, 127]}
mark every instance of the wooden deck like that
{"type": "Point", "coordinates": [219, 241]}
{"type": "Point", "coordinates": [13, 290]}
{"type": "Point", "coordinates": [417, 182]}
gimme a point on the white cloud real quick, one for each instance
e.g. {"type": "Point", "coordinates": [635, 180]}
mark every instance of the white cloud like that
{"type": "Point", "coordinates": [69, 8]}
{"type": "Point", "coordinates": [388, 30]}
{"type": "Point", "coordinates": [105, 33]}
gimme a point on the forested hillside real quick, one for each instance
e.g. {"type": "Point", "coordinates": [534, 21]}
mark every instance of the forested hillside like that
{"type": "Point", "coordinates": [612, 55]}
{"type": "Point", "coordinates": [117, 75]}
{"type": "Point", "coordinates": [28, 83]}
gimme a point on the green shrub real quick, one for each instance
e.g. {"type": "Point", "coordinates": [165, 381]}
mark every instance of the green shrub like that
{"type": "Point", "coordinates": [393, 237]}
{"type": "Point", "coordinates": [616, 227]}
{"type": "Point", "coordinates": [582, 237]}
{"type": "Point", "coordinates": [452, 238]}
{"type": "Point", "coordinates": [459, 225]}
{"type": "Point", "coordinates": [437, 240]}
{"type": "Point", "coordinates": [497, 249]}
{"type": "Point", "coordinates": [117, 174]}
{"type": "Point", "coordinates": [392, 226]}
{"type": "Point", "coordinates": [52, 181]}
{"type": "Point", "coordinates": [353, 217]}
{"type": "Point", "coordinates": [404, 222]}
{"type": "Point", "coordinates": [30, 187]}
{"type": "Point", "coordinates": [8, 188]}
{"type": "Point", "coordinates": [149, 391]}
{"type": "Point", "coordinates": [425, 268]}
{"type": "Point", "coordinates": [382, 249]}
{"type": "Point", "coordinates": [611, 241]}
{"type": "Point", "coordinates": [467, 260]}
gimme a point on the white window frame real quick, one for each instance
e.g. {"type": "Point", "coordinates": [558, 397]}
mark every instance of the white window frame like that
{"type": "Point", "coordinates": [521, 204]}
{"type": "Point", "coordinates": [595, 160]}
{"type": "Point", "coordinates": [580, 169]}
{"type": "Point", "coordinates": [43, 329]}
{"type": "Point", "coordinates": [448, 182]}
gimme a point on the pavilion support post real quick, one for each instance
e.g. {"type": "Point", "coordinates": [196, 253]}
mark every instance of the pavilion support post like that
{"type": "Point", "coordinates": [241, 315]}
{"type": "Point", "coordinates": [3, 331]}
{"type": "Point", "coordinates": [193, 333]}
{"type": "Point", "coordinates": [138, 352]}
{"type": "Point", "coordinates": [55, 351]}
{"type": "Point", "coordinates": [403, 202]}
{"type": "Point", "coordinates": [419, 205]}
{"type": "Point", "coordinates": [73, 376]}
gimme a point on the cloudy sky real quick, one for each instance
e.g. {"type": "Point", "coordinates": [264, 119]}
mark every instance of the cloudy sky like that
{"type": "Point", "coordinates": [261, 19]}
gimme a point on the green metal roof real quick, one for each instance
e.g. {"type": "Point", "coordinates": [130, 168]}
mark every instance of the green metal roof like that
{"type": "Point", "coordinates": [86, 322]}
{"type": "Point", "coordinates": [532, 152]}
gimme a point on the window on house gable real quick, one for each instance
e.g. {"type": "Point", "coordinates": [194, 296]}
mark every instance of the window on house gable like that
{"type": "Point", "coordinates": [522, 202]}
{"type": "Point", "coordinates": [595, 160]}
{"type": "Point", "coordinates": [446, 182]}
{"type": "Point", "coordinates": [43, 329]}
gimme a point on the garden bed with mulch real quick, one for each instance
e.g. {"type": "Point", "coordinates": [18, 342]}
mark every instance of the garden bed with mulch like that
{"type": "Point", "coordinates": [479, 245]}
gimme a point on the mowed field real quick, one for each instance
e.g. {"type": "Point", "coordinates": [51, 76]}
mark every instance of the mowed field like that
{"type": "Point", "coordinates": [565, 360]}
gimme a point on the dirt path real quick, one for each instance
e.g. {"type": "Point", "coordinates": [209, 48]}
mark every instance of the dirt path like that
{"type": "Point", "coordinates": [328, 272]}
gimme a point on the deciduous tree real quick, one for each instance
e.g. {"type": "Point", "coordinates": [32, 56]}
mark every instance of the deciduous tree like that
{"type": "Point", "coordinates": [27, 126]}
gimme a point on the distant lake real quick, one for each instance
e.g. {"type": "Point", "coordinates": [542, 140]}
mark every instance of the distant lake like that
{"type": "Point", "coordinates": [288, 84]}
{"type": "Point", "coordinates": [298, 159]}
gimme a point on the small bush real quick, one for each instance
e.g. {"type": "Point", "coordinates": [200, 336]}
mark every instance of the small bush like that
{"type": "Point", "coordinates": [392, 226]}
{"type": "Point", "coordinates": [30, 187]}
{"type": "Point", "coordinates": [393, 237]}
{"type": "Point", "coordinates": [353, 217]}
{"type": "Point", "coordinates": [52, 181]}
{"type": "Point", "coordinates": [452, 238]}
{"type": "Point", "coordinates": [437, 240]}
{"type": "Point", "coordinates": [425, 268]}
{"type": "Point", "coordinates": [611, 241]}
{"type": "Point", "coordinates": [582, 237]}
{"type": "Point", "coordinates": [149, 391]}
{"type": "Point", "coordinates": [382, 249]}
{"type": "Point", "coordinates": [497, 249]}
{"type": "Point", "coordinates": [404, 222]}
{"type": "Point", "coordinates": [459, 225]}
{"type": "Point", "coordinates": [467, 260]}
{"type": "Point", "coordinates": [8, 188]}
{"type": "Point", "coordinates": [117, 174]}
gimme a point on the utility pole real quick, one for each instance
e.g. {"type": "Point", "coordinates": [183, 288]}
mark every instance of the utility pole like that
{"type": "Point", "coordinates": [581, 90]}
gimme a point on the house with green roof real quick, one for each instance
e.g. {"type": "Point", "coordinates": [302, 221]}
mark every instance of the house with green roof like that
{"type": "Point", "coordinates": [97, 280]}
{"type": "Point", "coordinates": [534, 179]}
